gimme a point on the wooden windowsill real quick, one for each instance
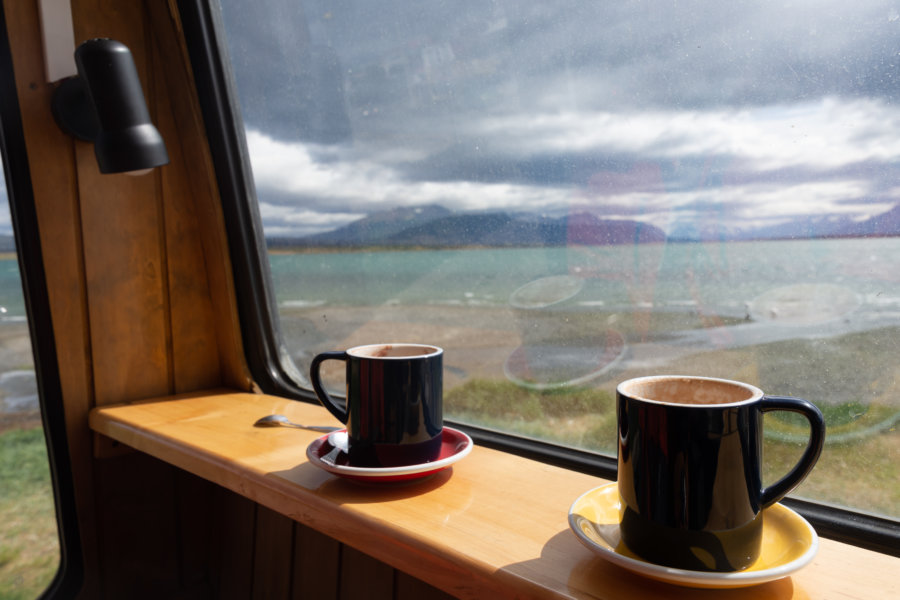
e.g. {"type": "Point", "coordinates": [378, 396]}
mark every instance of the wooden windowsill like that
{"type": "Point", "coordinates": [493, 526]}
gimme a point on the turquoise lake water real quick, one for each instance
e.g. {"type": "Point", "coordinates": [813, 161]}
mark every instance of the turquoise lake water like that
{"type": "Point", "coordinates": [719, 278]}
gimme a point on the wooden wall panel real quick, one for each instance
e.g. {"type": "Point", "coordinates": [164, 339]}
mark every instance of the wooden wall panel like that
{"type": "Point", "coordinates": [407, 587]}
{"type": "Point", "coordinates": [253, 556]}
{"type": "Point", "coordinates": [194, 353]}
{"type": "Point", "coordinates": [124, 242]}
{"type": "Point", "coordinates": [161, 305]}
{"type": "Point", "coordinates": [272, 561]}
{"type": "Point", "coordinates": [202, 189]}
{"type": "Point", "coordinates": [364, 577]}
{"type": "Point", "coordinates": [139, 538]}
{"type": "Point", "coordinates": [233, 540]}
{"type": "Point", "coordinates": [127, 293]}
{"type": "Point", "coordinates": [195, 509]}
{"type": "Point", "coordinates": [317, 561]}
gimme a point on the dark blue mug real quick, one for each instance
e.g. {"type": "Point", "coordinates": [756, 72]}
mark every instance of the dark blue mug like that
{"type": "Point", "coordinates": [394, 403]}
{"type": "Point", "coordinates": [689, 480]}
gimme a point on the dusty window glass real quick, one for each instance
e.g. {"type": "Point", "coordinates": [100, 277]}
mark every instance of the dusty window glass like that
{"type": "Point", "coordinates": [29, 539]}
{"type": "Point", "coordinates": [568, 194]}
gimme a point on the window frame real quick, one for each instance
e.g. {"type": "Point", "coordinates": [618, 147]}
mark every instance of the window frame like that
{"type": "Point", "coordinates": [269, 363]}
{"type": "Point", "coordinates": [69, 576]}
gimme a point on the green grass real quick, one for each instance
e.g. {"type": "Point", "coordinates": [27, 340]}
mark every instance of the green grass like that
{"type": "Point", "coordinates": [582, 418]}
{"type": "Point", "coordinates": [859, 471]}
{"type": "Point", "coordinates": [29, 546]}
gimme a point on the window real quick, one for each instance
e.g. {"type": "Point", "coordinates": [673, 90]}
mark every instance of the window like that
{"type": "Point", "coordinates": [565, 195]}
{"type": "Point", "coordinates": [29, 540]}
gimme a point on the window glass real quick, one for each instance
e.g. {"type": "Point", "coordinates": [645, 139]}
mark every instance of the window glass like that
{"type": "Point", "coordinates": [568, 194]}
{"type": "Point", "coordinates": [29, 540]}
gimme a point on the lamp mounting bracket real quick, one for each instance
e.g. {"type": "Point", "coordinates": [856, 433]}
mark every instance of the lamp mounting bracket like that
{"type": "Point", "coordinates": [74, 111]}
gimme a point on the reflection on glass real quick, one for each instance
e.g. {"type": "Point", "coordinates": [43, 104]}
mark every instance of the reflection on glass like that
{"type": "Point", "coordinates": [29, 542]}
{"type": "Point", "coordinates": [564, 195]}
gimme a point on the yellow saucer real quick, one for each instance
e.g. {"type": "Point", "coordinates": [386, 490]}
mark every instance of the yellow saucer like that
{"type": "Point", "coordinates": [789, 543]}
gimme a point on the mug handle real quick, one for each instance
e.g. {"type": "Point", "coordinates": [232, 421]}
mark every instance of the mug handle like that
{"type": "Point", "coordinates": [775, 492]}
{"type": "Point", "coordinates": [314, 376]}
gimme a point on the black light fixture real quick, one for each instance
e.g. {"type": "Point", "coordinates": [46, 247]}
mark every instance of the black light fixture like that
{"type": "Point", "coordinates": [104, 104]}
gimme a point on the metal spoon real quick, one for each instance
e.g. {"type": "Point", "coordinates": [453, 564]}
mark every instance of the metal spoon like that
{"type": "Point", "coordinates": [283, 421]}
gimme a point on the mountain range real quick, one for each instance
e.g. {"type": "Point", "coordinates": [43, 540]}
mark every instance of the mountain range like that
{"type": "Point", "coordinates": [435, 226]}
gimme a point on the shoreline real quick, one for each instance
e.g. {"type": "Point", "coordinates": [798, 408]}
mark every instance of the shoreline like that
{"type": "Point", "coordinates": [285, 249]}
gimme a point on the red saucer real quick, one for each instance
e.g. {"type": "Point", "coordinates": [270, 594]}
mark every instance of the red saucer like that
{"type": "Point", "coordinates": [326, 453]}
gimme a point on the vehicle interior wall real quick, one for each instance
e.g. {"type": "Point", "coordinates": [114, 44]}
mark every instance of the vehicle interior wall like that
{"type": "Point", "coordinates": [143, 305]}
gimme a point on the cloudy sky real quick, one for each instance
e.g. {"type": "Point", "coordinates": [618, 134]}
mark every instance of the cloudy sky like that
{"type": "Point", "coordinates": [746, 113]}
{"type": "Point", "coordinates": [739, 113]}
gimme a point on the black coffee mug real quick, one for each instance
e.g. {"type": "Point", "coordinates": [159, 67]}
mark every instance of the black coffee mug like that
{"type": "Point", "coordinates": [394, 403]}
{"type": "Point", "coordinates": [690, 481]}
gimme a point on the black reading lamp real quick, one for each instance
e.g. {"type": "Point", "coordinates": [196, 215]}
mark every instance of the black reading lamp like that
{"type": "Point", "coordinates": [105, 105]}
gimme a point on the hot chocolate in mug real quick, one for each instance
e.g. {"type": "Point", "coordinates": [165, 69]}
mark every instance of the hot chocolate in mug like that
{"type": "Point", "coordinates": [394, 402]}
{"type": "Point", "coordinates": [689, 460]}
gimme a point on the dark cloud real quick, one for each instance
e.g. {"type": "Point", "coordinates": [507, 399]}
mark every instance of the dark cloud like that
{"type": "Point", "coordinates": [317, 70]}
